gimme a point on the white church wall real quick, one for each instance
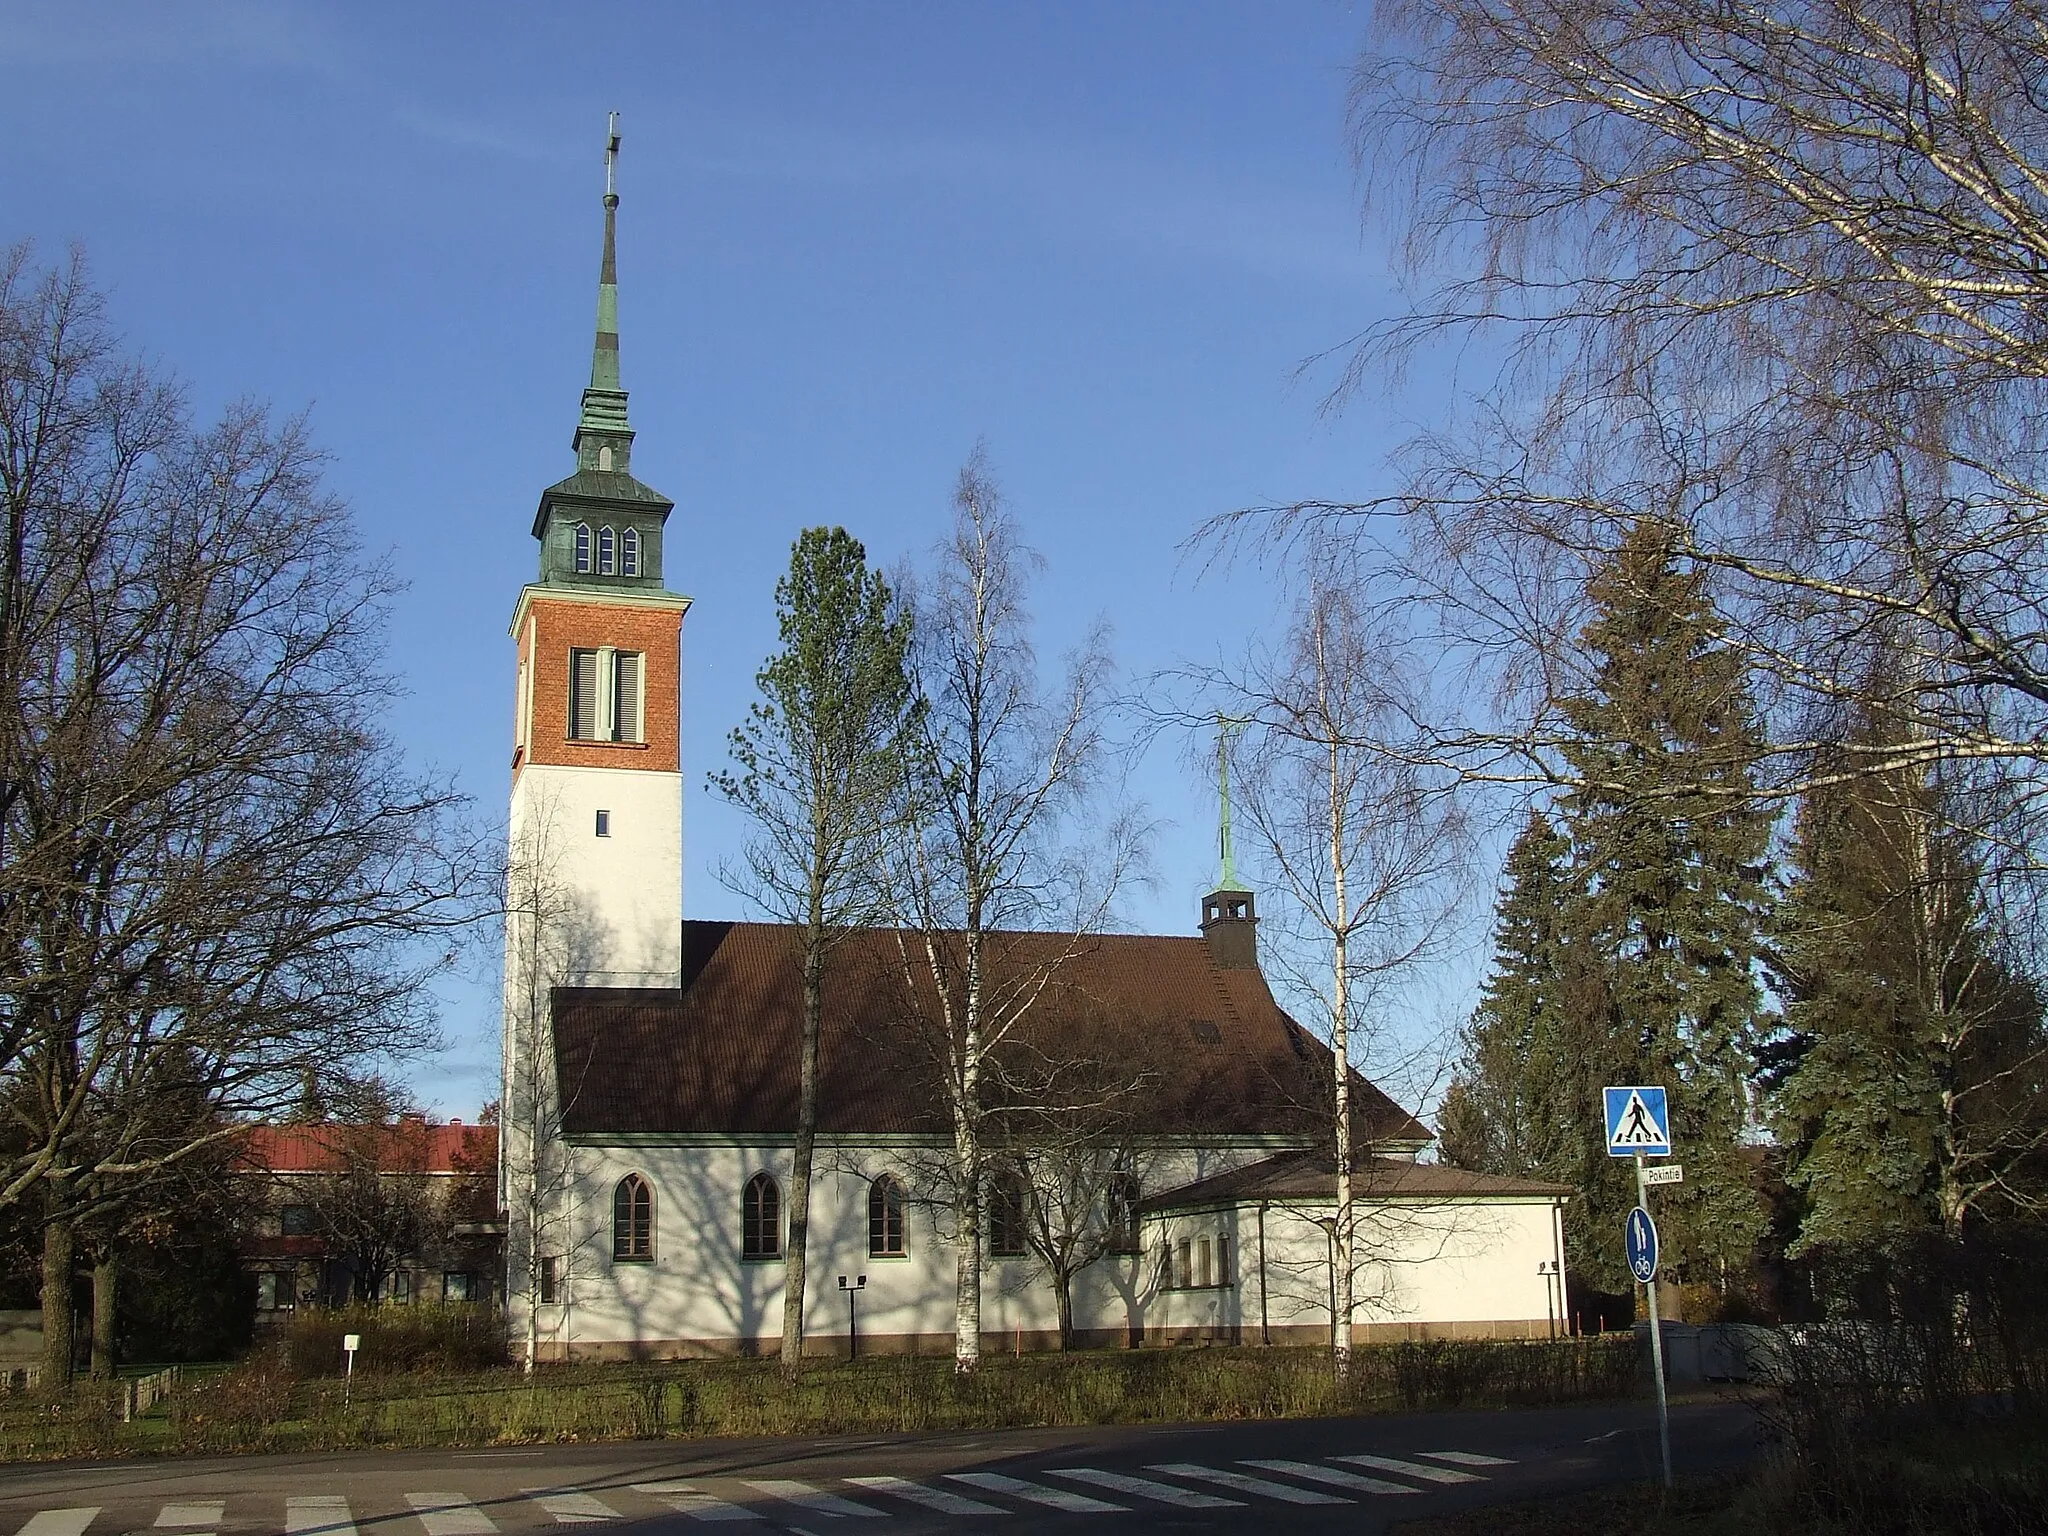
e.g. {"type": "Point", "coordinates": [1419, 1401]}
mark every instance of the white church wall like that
{"type": "Point", "coordinates": [620, 902]}
{"type": "Point", "coordinates": [699, 1295]}
{"type": "Point", "coordinates": [1425, 1269]}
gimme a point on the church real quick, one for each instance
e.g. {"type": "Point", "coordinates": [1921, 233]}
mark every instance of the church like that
{"type": "Point", "coordinates": [650, 1062]}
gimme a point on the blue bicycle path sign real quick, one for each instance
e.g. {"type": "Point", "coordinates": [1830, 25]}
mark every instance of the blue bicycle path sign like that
{"type": "Point", "coordinates": [1638, 1122]}
{"type": "Point", "coordinates": [1641, 1235]}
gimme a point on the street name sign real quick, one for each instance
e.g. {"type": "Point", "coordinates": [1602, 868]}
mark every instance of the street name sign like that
{"type": "Point", "coordinates": [1664, 1173]}
{"type": "Point", "coordinates": [1638, 1122]}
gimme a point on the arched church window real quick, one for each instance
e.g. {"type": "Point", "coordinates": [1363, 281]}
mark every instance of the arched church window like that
{"type": "Point", "coordinates": [629, 552]}
{"type": "Point", "coordinates": [633, 1221]}
{"type": "Point", "coordinates": [1006, 1213]}
{"type": "Point", "coordinates": [607, 555]}
{"type": "Point", "coordinates": [604, 456]}
{"type": "Point", "coordinates": [761, 1218]}
{"type": "Point", "coordinates": [885, 1217]}
{"type": "Point", "coordinates": [583, 546]}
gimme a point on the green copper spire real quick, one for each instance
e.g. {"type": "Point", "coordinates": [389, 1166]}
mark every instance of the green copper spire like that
{"type": "Point", "coordinates": [604, 403]}
{"type": "Point", "coordinates": [1225, 729]}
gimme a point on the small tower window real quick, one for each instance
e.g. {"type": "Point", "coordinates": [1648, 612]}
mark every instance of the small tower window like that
{"type": "Point", "coordinates": [604, 456]}
{"type": "Point", "coordinates": [607, 552]}
{"type": "Point", "coordinates": [583, 546]}
{"type": "Point", "coordinates": [629, 552]}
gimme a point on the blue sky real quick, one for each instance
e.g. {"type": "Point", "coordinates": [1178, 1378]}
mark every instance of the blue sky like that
{"type": "Point", "coordinates": [854, 240]}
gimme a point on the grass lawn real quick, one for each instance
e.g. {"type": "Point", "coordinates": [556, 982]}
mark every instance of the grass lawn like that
{"type": "Point", "coordinates": [262, 1406]}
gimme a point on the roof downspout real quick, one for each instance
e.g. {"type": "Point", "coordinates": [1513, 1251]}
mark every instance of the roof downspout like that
{"type": "Point", "coordinates": [1265, 1322]}
{"type": "Point", "coordinates": [1557, 1247]}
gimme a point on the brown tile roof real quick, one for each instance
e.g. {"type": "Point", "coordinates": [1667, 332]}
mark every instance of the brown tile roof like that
{"type": "Point", "coordinates": [719, 1054]}
{"type": "Point", "coordinates": [1312, 1177]}
{"type": "Point", "coordinates": [408, 1147]}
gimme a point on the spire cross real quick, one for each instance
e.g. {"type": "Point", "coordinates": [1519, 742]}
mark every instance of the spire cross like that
{"type": "Point", "coordinates": [611, 162]}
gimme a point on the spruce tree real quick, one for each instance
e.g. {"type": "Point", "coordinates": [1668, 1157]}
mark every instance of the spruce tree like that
{"type": "Point", "coordinates": [1497, 1114]}
{"type": "Point", "coordinates": [1666, 900]}
{"type": "Point", "coordinates": [1911, 1100]}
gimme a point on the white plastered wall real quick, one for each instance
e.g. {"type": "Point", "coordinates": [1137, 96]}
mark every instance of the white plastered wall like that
{"type": "Point", "coordinates": [699, 1295]}
{"type": "Point", "coordinates": [620, 904]}
{"type": "Point", "coordinates": [1452, 1268]}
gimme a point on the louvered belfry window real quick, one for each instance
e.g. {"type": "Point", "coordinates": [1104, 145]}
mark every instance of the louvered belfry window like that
{"type": "Point", "coordinates": [629, 552]}
{"type": "Point", "coordinates": [605, 694]}
{"type": "Point", "coordinates": [583, 712]}
{"type": "Point", "coordinates": [626, 691]}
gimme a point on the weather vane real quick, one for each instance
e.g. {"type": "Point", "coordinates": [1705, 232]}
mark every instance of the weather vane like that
{"type": "Point", "coordinates": [1226, 728]}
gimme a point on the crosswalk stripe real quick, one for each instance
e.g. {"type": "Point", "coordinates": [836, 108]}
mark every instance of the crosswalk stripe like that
{"type": "Point", "coordinates": [1265, 1488]}
{"type": "Point", "coordinates": [1144, 1488]}
{"type": "Point", "coordinates": [693, 1501]}
{"type": "Point", "coordinates": [326, 1514]}
{"type": "Point", "coordinates": [1331, 1475]}
{"type": "Point", "coordinates": [571, 1506]}
{"type": "Point", "coordinates": [1052, 1498]}
{"type": "Point", "coordinates": [59, 1522]}
{"type": "Point", "coordinates": [931, 1498]}
{"type": "Point", "coordinates": [816, 1500]}
{"type": "Point", "coordinates": [1467, 1458]}
{"type": "Point", "coordinates": [450, 1514]}
{"type": "Point", "coordinates": [200, 1512]}
{"type": "Point", "coordinates": [1410, 1468]}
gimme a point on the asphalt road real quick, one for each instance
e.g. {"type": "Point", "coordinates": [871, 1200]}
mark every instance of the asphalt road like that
{"type": "Point", "coordinates": [1316, 1475]}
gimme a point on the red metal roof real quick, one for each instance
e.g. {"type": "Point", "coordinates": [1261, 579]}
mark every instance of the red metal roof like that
{"type": "Point", "coordinates": [719, 1054]}
{"type": "Point", "coordinates": [410, 1146]}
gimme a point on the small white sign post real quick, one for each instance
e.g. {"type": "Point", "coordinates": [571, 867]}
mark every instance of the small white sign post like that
{"type": "Point", "coordinates": [1639, 1126]}
{"type": "Point", "coordinates": [350, 1343]}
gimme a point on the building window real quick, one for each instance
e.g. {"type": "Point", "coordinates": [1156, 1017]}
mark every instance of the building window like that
{"type": "Point", "coordinates": [761, 1218]}
{"type": "Point", "coordinates": [607, 553]}
{"type": "Point", "coordinates": [276, 1289]}
{"type": "Point", "coordinates": [885, 1218]}
{"type": "Point", "coordinates": [604, 456]}
{"type": "Point", "coordinates": [629, 552]}
{"type": "Point", "coordinates": [605, 694]}
{"type": "Point", "coordinates": [1202, 1261]}
{"type": "Point", "coordinates": [458, 1285]}
{"type": "Point", "coordinates": [398, 1289]}
{"type": "Point", "coordinates": [1166, 1265]}
{"type": "Point", "coordinates": [1121, 1200]}
{"type": "Point", "coordinates": [1222, 1258]}
{"type": "Point", "coordinates": [583, 547]}
{"type": "Point", "coordinates": [550, 1281]}
{"type": "Point", "coordinates": [626, 674]}
{"type": "Point", "coordinates": [633, 1221]}
{"type": "Point", "coordinates": [1006, 1214]}
{"type": "Point", "coordinates": [1184, 1262]}
{"type": "Point", "coordinates": [604, 823]}
{"type": "Point", "coordinates": [295, 1220]}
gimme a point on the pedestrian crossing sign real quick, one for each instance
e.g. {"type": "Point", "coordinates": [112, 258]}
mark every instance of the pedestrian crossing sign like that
{"type": "Point", "coordinates": [1638, 1123]}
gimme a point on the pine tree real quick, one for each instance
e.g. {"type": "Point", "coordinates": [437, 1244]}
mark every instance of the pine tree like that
{"type": "Point", "coordinates": [1911, 1099]}
{"type": "Point", "coordinates": [818, 769]}
{"type": "Point", "coordinates": [1667, 899]}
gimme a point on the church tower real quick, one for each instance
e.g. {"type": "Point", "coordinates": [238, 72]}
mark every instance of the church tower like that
{"type": "Point", "coordinates": [597, 790]}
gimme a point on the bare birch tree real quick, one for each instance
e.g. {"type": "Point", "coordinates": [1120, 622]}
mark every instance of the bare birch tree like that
{"type": "Point", "coordinates": [1000, 771]}
{"type": "Point", "coordinates": [1367, 850]}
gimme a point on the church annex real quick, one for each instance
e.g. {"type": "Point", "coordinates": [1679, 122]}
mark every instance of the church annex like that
{"type": "Point", "coordinates": [650, 1064]}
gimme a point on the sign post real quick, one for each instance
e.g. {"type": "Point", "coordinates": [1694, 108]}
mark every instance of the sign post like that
{"type": "Point", "coordinates": [852, 1288]}
{"type": "Point", "coordinates": [350, 1343]}
{"type": "Point", "coordinates": [1639, 1126]}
